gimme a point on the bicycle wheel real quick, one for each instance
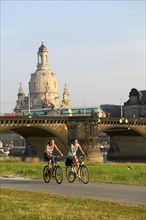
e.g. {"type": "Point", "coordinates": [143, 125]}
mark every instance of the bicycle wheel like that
{"type": "Point", "coordinates": [70, 175]}
{"type": "Point", "coordinates": [46, 174]}
{"type": "Point", "coordinates": [58, 174]}
{"type": "Point", "coordinates": [84, 174]}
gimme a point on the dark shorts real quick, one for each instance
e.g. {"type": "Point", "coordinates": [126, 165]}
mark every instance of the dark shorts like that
{"type": "Point", "coordinates": [47, 157]}
{"type": "Point", "coordinates": [68, 162]}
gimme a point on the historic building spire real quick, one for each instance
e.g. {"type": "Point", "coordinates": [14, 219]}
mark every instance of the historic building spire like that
{"type": "Point", "coordinates": [20, 90]}
{"type": "Point", "coordinates": [42, 58]}
{"type": "Point", "coordinates": [43, 87]}
{"type": "Point", "coordinates": [20, 101]}
{"type": "Point", "coordinates": [66, 99]}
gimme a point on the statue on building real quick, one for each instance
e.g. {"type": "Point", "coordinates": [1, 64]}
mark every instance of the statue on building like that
{"type": "Point", "coordinates": [66, 100]}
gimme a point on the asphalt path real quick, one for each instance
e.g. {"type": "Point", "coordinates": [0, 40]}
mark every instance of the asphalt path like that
{"type": "Point", "coordinates": [101, 191]}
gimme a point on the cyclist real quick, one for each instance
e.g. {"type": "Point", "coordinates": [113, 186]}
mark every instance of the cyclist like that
{"type": "Point", "coordinates": [48, 153]}
{"type": "Point", "coordinates": [72, 153]}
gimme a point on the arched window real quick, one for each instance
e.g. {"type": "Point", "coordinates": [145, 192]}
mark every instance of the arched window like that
{"type": "Point", "coordinates": [40, 59]}
{"type": "Point", "coordinates": [46, 59]}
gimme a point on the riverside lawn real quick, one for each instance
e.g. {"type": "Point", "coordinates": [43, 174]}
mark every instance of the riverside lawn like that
{"type": "Point", "coordinates": [122, 173]}
{"type": "Point", "coordinates": [27, 205]}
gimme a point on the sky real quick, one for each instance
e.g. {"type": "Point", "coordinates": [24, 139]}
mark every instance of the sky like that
{"type": "Point", "coordinates": [96, 47]}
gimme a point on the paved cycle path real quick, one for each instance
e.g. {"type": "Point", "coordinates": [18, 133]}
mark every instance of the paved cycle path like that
{"type": "Point", "coordinates": [100, 191]}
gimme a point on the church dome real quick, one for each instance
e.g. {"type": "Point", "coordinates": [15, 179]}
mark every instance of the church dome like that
{"type": "Point", "coordinates": [42, 48]}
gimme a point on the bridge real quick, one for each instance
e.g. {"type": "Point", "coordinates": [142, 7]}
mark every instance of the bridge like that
{"type": "Point", "coordinates": [128, 135]}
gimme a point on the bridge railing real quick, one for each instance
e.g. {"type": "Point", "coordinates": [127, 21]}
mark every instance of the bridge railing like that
{"type": "Point", "coordinates": [121, 121]}
{"type": "Point", "coordinates": [52, 120]}
{"type": "Point", "coordinates": [25, 120]}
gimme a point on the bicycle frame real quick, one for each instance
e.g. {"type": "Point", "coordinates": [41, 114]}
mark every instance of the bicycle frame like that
{"type": "Point", "coordinates": [72, 174]}
{"type": "Point", "coordinates": [55, 162]}
{"type": "Point", "coordinates": [55, 171]}
{"type": "Point", "coordinates": [80, 160]}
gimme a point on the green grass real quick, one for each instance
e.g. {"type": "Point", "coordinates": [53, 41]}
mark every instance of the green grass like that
{"type": "Point", "coordinates": [103, 172]}
{"type": "Point", "coordinates": [21, 204]}
{"type": "Point", "coordinates": [119, 173]}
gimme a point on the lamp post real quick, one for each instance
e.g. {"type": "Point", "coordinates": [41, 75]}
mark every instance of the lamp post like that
{"type": "Point", "coordinates": [123, 120]}
{"type": "Point", "coordinates": [121, 107]}
{"type": "Point", "coordinates": [29, 103]}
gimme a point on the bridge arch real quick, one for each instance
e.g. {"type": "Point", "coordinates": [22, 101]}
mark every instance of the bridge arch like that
{"type": "Point", "coordinates": [37, 137]}
{"type": "Point", "coordinates": [125, 142]}
{"type": "Point", "coordinates": [86, 128]}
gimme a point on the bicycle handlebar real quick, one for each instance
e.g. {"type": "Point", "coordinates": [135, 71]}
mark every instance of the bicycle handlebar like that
{"type": "Point", "coordinates": [79, 156]}
{"type": "Point", "coordinates": [57, 156]}
{"type": "Point", "coordinates": [82, 156]}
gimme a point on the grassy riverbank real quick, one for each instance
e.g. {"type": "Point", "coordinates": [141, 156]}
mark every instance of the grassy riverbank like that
{"type": "Point", "coordinates": [124, 173]}
{"type": "Point", "coordinates": [21, 204]}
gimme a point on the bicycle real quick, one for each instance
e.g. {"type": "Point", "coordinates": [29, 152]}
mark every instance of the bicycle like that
{"type": "Point", "coordinates": [72, 174]}
{"type": "Point", "coordinates": [55, 172]}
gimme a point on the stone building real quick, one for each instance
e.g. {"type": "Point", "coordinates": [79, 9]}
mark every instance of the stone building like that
{"type": "Point", "coordinates": [111, 110]}
{"type": "Point", "coordinates": [43, 87]}
{"type": "Point", "coordinates": [135, 107]}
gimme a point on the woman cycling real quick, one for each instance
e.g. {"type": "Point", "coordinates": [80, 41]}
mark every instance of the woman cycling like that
{"type": "Point", "coordinates": [72, 153]}
{"type": "Point", "coordinates": [48, 153]}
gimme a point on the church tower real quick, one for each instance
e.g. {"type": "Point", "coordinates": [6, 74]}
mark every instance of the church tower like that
{"type": "Point", "coordinates": [42, 58]}
{"type": "Point", "coordinates": [43, 85]}
{"type": "Point", "coordinates": [20, 101]}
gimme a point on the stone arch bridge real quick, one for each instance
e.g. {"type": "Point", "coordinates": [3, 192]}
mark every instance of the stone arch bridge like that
{"type": "Point", "coordinates": [128, 136]}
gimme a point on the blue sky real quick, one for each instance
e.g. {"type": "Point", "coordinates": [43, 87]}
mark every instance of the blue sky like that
{"type": "Point", "coordinates": [96, 47]}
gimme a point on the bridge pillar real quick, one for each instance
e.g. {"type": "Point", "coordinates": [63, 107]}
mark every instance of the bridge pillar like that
{"type": "Point", "coordinates": [94, 153]}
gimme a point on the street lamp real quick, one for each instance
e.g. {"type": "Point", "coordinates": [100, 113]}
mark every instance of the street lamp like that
{"type": "Point", "coordinates": [123, 120]}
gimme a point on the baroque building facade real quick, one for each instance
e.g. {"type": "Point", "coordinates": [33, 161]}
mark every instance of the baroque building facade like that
{"type": "Point", "coordinates": [43, 87]}
{"type": "Point", "coordinates": [135, 107]}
